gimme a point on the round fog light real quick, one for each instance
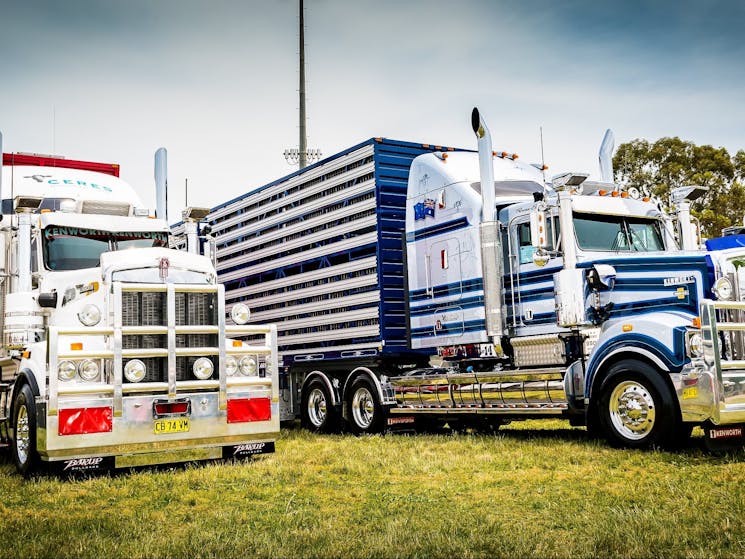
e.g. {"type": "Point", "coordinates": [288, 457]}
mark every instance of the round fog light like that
{"type": "Point", "coordinates": [248, 366]}
{"type": "Point", "coordinates": [90, 315]}
{"type": "Point", "coordinates": [203, 368]}
{"type": "Point", "coordinates": [134, 370]}
{"type": "Point", "coordinates": [723, 289]}
{"type": "Point", "coordinates": [696, 345]}
{"type": "Point", "coordinates": [66, 371]}
{"type": "Point", "coordinates": [231, 365]}
{"type": "Point", "coordinates": [240, 313]}
{"type": "Point", "coordinates": [88, 370]}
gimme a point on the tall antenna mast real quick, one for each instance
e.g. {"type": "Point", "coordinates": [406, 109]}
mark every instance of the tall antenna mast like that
{"type": "Point", "coordinates": [303, 141]}
{"type": "Point", "coordinates": [302, 154]}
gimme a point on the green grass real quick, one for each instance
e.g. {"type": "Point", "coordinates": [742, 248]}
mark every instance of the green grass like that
{"type": "Point", "coordinates": [537, 489]}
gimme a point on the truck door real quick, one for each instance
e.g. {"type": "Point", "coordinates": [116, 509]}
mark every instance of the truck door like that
{"type": "Point", "coordinates": [446, 277]}
{"type": "Point", "coordinates": [529, 288]}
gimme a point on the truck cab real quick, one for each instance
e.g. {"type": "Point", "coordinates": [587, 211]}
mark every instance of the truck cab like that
{"type": "Point", "coordinates": [117, 351]}
{"type": "Point", "coordinates": [564, 297]}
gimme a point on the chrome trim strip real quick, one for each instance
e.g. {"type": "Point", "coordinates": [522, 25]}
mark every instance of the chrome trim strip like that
{"type": "Point", "coordinates": [222, 402]}
{"type": "Point", "coordinates": [171, 318]}
{"type": "Point", "coordinates": [118, 367]}
{"type": "Point", "coordinates": [53, 360]}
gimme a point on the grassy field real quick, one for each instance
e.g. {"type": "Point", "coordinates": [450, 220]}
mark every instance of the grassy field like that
{"type": "Point", "coordinates": [536, 489]}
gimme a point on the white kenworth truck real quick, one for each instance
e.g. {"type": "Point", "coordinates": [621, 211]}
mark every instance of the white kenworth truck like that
{"type": "Point", "coordinates": [117, 351]}
{"type": "Point", "coordinates": [408, 295]}
{"type": "Point", "coordinates": [568, 299]}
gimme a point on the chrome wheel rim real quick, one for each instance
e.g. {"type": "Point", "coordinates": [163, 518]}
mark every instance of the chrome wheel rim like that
{"type": "Point", "coordinates": [363, 408]}
{"type": "Point", "coordinates": [317, 407]}
{"type": "Point", "coordinates": [22, 434]}
{"type": "Point", "coordinates": [632, 410]}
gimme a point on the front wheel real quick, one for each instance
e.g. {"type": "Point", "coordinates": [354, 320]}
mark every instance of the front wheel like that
{"type": "Point", "coordinates": [23, 447]}
{"type": "Point", "coordinates": [366, 414]}
{"type": "Point", "coordinates": [636, 409]}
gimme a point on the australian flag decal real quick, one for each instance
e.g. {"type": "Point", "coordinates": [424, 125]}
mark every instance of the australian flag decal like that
{"type": "Point", "coordinates": [424, 209]}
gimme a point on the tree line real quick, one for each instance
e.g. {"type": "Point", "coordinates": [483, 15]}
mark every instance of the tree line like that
{"type": "Point", "coordinates": [656, 168]}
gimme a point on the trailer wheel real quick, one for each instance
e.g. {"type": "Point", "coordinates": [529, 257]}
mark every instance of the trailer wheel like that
{"type": "Point", "coordinates": [636, 409]}
{"type": "Point", "coordinates": [365, 411]}
{"type": "Point", "coordinates": [317, 411]}
{"type": "Point", "coordinates": [23, 447]}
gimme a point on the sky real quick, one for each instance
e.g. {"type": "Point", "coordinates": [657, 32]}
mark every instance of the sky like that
{"type": "Point", "coordinates": [215, 82]}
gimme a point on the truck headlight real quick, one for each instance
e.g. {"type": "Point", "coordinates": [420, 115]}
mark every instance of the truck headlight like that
{"type": "Point", "coordinates": [696, 345]}
{"type": "Point", "coordinates": [66, 371]}
{"type": "Point", "coordinates": [88, 370]}
{"type": "Point", "coordinates": [723, 289]}
{"type": "Point", "coordinates": [248, 366]}
{"type": "Point", "coordinates": [135, 370]}
{"type": "Point", "coordinates": [240, 313]}
{"type": "Point", "coordinates": [231, 365]}
{"type": "Point", "coordinates": [90, 315]}
{"type": "Point", "coordinates": [203, 368]}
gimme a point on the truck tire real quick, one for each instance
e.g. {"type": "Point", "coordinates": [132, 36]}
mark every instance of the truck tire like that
{"type": "Point", "coordinates": [317, 411]}
{"type": "Point", "coordinates": [366, 414]}
{"type": "Point", "coordinates": [23, 445]}
{"type": "Point", "coordinates": [635, 408]}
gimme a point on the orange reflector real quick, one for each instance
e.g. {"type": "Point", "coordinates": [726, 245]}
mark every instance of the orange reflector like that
{"type": "Point", "coordinates": [645, 199]}
{"type": "Point", "coordinates": [697, 322]}
{"type": "Point", "coordinates": [444, 156]}
{"type": "Point", "coordinates": [425, 146]}
{"type": "Point", "coordinates": [438, 148]}
{"type": "Point", "coordinates": [26, 354]}
{"type": "Point", "coordinates": [77, 346]}
{"type": "Point", "coordinates": [627, 327]}
{"type": "Point", "coordinates": [614, 193]}
{"type": "Point", "coordinates": [515, 156]}
{"type": "Point", "coordinates": [237, 343]}
{"type": "Point", "coordinates": [602, 192]}
{"type": "Point", "coordinates": [493, 153]}
{"type": "Point", "coordinates": [624, 194]}
{"type": "Point", "coordinates": [544, 168]}
{"type": "Point", "coordinates": [45, 211]}
{"type": "Point", "coordinates": [504, 154]}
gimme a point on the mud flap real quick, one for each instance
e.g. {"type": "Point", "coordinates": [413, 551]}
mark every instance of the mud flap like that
{"type": "Point", "coordinates": [246, 450]}
{"type": "Point", "coordinates": [720, 438]}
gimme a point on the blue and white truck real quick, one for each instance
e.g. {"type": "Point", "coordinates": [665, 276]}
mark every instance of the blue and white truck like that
{"type": "Point", "coordinates": [406, 293]}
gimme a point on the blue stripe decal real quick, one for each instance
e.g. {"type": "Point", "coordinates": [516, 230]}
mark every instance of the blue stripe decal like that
{"type": "Point", "coordinates": [450, 329]}
{"type": "Point", "coordinates": [469, 303]}
{"type": "Point", "coordinates": [445, 290]}
{"type": "Point", "coordinates": [438, 229]}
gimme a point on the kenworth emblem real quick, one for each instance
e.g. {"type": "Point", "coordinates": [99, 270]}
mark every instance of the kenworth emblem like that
{"type": "Point", "coordinates": [163, 266]}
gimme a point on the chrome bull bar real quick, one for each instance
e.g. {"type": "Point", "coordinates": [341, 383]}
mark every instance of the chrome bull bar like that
{"type": "Point", "coordinates": [109, 346]}
{"type": "Point", "coordinates": [722, 320]}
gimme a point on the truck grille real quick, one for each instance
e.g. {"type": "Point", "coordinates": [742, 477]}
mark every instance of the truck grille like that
{"type": "Point", "coordinates": [150, 309]}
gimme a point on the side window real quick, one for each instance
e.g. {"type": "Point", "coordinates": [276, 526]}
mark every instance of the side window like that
{"type": "Point", "coordinates": [525, 249]}
{"type": "Point", "coordinates": [35, 254]}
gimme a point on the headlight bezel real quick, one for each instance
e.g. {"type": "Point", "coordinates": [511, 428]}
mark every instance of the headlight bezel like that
{"type": "Point", "coordinates": [695, 344]}
{"type": "Point", "coordinates": [71, 368]}
{"type": "Point", "coordinates": [139, 374]}
{"type": "Point", "coordinates": [248, 366]}
{"type": "Point", "coordinates": [240, 313]}
{"type": "Point", "coordinates": [200, 366]}
{"type": "Point", "coordinates": [723, 289]}
{"type": "Point", "coordinates": [88, 377]}
{"type": "Point", "coordinates": [231, 366]}
{"type": "Point", "coordinates": [90, 315]}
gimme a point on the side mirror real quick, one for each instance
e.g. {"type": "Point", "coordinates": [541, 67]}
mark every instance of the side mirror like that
{"type": "Point", "coordinates": [601, 277]}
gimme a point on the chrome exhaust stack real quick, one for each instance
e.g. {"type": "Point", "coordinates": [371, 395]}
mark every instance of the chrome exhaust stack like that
{"type": "Point", "coordinates": [491, 242]}
{"type": "Point", "coordinates": [161, 184]}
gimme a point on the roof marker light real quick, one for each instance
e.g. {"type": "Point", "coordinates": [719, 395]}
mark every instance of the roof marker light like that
{"type": "Point", "coordinates": [614, 193]}
{"type": "Point", "coordinates": [602, 192]}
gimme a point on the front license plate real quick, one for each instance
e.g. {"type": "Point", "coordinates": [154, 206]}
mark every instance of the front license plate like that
{"type": "Point", "coordinates": [165, 426]}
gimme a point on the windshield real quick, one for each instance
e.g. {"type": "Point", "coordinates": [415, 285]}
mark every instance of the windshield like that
{"type": "Point", "coordinates": [614, 233]}
{"type": "Point", "coordinates": [75, 248]}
